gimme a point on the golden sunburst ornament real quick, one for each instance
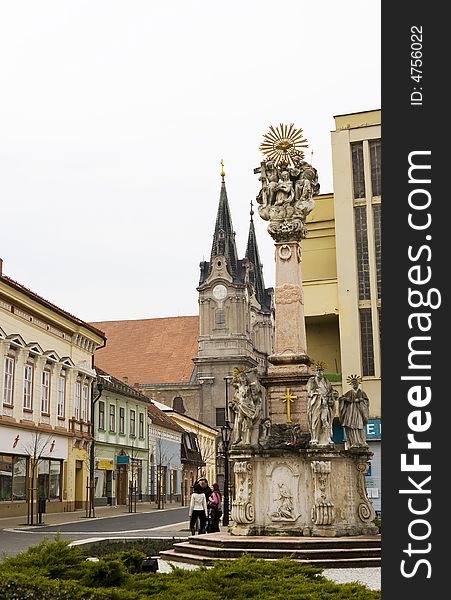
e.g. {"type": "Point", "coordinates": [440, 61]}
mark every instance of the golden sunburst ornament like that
{"type": "Point", "coordinates": [281, 143]}
{"type": "Point", "coordinates": [351, 378]}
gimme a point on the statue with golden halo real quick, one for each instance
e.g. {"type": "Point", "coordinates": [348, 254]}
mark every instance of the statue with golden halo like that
{"type": "Point", "coordinates": [288, 183]}
{"type": "Point", "coordinates": [354, 412]}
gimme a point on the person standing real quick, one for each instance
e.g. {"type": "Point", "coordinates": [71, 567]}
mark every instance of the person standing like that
{"type": "Point", "coordinates": [205, 488]}
{"type": "Point", "coordinates": [215, 509]}
{"type": "Point", "coordinates": [198, 509]}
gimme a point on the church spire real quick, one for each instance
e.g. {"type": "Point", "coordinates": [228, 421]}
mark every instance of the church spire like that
{"type": "Point", "coordinates": [224, 236]}
{"type": "Point", "coordinates": [252, 254]}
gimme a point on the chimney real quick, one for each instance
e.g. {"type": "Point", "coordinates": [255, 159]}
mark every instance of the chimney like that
{"type": "Point", "coordinates": [1, 267]}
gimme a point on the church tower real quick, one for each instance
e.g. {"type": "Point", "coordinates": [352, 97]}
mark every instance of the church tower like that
{"type": "Point", "coordinates": [235, 314]}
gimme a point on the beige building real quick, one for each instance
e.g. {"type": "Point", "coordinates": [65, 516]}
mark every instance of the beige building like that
{"type": "Point", "coordinates": [342, 272]}
{"type": "Point", "coordinates": [46, 375]}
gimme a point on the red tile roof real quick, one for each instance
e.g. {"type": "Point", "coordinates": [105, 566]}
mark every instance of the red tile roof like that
{"type": "Point", "coordinates": [149, 350]}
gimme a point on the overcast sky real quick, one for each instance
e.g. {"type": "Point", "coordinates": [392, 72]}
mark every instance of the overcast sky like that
{"type": "Point", "coordinates": [114, 116]}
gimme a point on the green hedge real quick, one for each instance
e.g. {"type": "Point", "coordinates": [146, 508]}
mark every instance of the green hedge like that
{"type": "Point", "coordinates": [55, 571]}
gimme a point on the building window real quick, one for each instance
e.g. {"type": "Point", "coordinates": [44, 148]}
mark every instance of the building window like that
{"type": "Point", "coordinates": [19, 477]}
{"type": "Point", "coordinates": [112, 417]}
{"type": "Point", "coordinates": [45, 392]}
{"type": "Point", "coordinates": [28, 386]}
{"type": "Point", "coordinates": [13, 470]}
{"type": "Point", "coordinates": [177, 405]}
{"type": "Point", "coordinates": [101, 414]}
{"type": "Point", "coordinates": [363, 263]}
{"type": "Point", "coordinates": [375, 161]}
{"type": "Point", "coordinates": [220, 417]}
{"type": "Point", "coordinates": [61, 402]}
{"type": "Point", "coordinates": [49, 479]}
{"type": "Point", "coordinates": [141, 425]}
{"type": "Point", "coordinates": [84, 404]}
{"type": "Point", "coordinates": [8, 380]}
{"type": "Point", "coordinates": [77, 400]}
{"type": "Point", "coordinates": [358, 173]}
{"type": "Point", "coordinates": [132, 422]}
{"type": "Point", "coordinates": [366, 337]}
{"type": "Point", "coordinates": [377, 244]}
{"type": "Point", "coordinates": [220, 317]}
{"type": "Point", "coordinates": [121, 420]}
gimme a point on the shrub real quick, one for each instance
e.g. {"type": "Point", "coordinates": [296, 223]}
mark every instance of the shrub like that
{"type": "Point", "coordinates": [51, 559]}
{"type": "Point", "coordinates": [246, 578]}
{"type": "Point", "coordinates": [107, 572]}
{"type": "Point", "coordinates": [132, 559]}
{"type": "Point", "coordinates": [150, 546]}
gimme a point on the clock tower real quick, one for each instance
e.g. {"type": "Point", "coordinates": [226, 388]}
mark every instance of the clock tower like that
{"type": "Point", "coordinates": [235, 315]}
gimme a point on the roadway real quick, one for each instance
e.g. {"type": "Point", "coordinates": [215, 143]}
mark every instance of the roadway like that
{"type": "Point", "coordinates": [167, 523]}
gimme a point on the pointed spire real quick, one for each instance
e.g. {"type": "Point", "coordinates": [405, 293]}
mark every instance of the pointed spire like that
{"type": "Point", "coordinates": [224, 236]}
{"type": "Point", "coordinates": [253, 256]}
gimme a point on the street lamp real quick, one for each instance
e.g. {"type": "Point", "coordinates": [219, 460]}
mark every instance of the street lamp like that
{"type": "Point", "coordinates": [226, 434]}
{"type": "Point", "coordinates": [92, 451]}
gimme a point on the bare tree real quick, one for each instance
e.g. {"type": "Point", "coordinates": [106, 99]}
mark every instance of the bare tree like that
{"type": "Point", "coordinates": [34, 450]}
{"type": "Point", "coordinates": [162, 460]}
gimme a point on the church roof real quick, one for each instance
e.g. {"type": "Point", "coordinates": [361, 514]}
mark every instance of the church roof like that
{"type": "Point", "coordinates": [256, 274]}
{"type": "Point", "coordinates": [224, 237]}
{"type": "Point", "coordinates": [149, 350]}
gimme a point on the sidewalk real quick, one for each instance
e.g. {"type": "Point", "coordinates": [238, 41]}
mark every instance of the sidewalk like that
{"type": "Point", "coordinates": [101, 512]}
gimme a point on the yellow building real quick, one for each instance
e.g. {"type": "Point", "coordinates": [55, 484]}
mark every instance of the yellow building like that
{"type": "Point", "coordinates": [46, 375]}
{"type": "Point", "coordinates": [342, 271]}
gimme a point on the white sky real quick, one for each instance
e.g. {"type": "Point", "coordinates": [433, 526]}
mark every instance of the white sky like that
{"type": "Point", "coordinates": [114, 116]}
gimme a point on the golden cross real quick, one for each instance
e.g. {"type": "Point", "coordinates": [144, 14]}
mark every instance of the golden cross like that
{"type": "Point", "coordinates": [222, 170]}
{"type": "Point", "coordinates": [288, 398]}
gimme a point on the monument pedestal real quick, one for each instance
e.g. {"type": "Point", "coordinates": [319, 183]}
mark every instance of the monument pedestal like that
{"type": "Point", "coordinates": [303, 492]}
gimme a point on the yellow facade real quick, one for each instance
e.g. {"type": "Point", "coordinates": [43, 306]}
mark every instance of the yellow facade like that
{"type": "Point", "coordinates": [330, 262]}
{"type": "Point", "coordinates": [46, 376]}
{"type": "Point", "coordinates": [363, 130]}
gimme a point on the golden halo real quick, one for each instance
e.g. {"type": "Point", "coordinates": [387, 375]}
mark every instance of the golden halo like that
{"type": "Point", "coordinates": [319, 364]}
{"type": "Point", "coordinates": [282, 143]}
{"type": "Point", "coordinates": [351, 378]}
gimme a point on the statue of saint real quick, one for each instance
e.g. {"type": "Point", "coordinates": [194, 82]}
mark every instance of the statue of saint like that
{"type": "Point", "coordinates": [320, 408]}
{"type": "Point", "coordinates": [284, 503]}
{"type": "Point", "coordinates": [246, 403]}
{"type": "Point", "coordinates": [353, 411]}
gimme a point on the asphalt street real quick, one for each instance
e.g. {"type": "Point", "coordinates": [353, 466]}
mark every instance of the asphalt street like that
{"type": "Point", "coordinates": [163, 523]}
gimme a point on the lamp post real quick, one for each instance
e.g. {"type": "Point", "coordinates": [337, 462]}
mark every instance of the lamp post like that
{"type": "Point", "coordinates": [225, 436]}
{"type": "Point", "coordinates": [226, 432]}
{"type": "Point", "coordinates": [91, 512]}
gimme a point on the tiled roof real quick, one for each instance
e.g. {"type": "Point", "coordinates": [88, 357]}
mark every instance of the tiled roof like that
{"type": "Point", "coordinates": [160, 418]}
{"type": "Point", "coordinates": [149, 350]}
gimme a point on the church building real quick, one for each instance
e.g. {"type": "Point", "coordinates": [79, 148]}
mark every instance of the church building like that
{"type": "Point", "coordinates": [186, 362]}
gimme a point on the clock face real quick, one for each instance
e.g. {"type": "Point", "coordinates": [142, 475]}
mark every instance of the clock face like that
{"type": "Point", "coordinates": [220, 292]}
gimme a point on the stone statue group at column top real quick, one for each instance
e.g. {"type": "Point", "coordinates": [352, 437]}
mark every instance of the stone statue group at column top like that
{"type": "Point", "coordinates": [286, 196]}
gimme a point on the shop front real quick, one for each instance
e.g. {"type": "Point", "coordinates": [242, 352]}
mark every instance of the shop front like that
{"type": "Point", "coordinates": [33, 465]}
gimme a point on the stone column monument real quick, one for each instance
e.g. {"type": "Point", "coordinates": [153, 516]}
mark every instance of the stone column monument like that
{"type": "Point", "coordinates": [289, 478]}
